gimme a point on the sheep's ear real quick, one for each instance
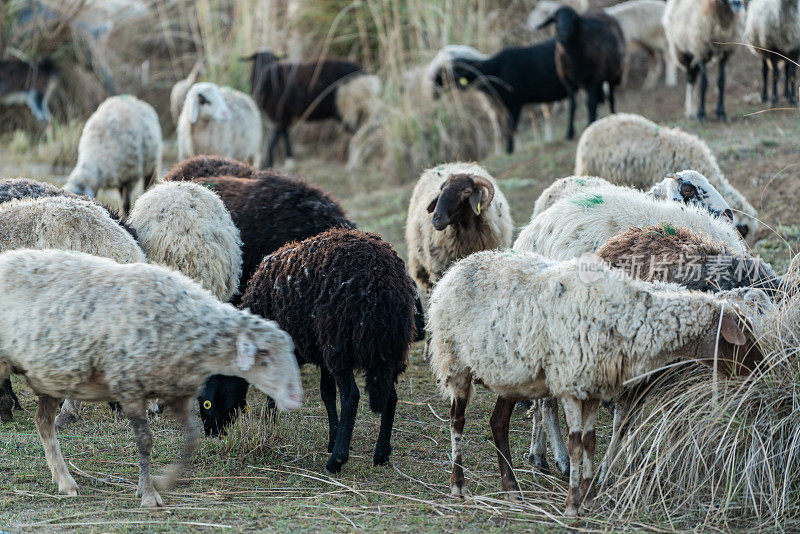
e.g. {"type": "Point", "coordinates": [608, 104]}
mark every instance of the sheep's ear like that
{"type": "Point", "coordinates": [245, 352]}
{"type": "Point", "coordinates": [731, 331]}
{"type": "Point", "coordinates": [432, 205]}
{"type": "Point", "coordinates": [194, 109]}
{"type": "Point", "coordinates": [475, 200]}
{"type": "Point", "coordinates": [547, 22]}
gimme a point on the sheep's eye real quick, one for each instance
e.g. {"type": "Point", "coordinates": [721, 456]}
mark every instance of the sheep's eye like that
{"type": "Point", "coordinates": [467, 192]}
{"type": "Point", "coordinates": [203, 100]}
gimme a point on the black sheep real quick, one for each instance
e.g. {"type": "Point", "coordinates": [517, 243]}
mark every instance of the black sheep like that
{"type": "Point", "coordinates": [514, 76]}
{"type": "Point", "coordinates": [287, 91]}
{"type": "Point", "coordinates": [590, 51]}
{"type": "Point", "coordinates": [345, 298]}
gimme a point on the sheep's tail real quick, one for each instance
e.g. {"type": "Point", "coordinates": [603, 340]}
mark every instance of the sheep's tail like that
{"type": "Point", "coordinates": [380, 385]}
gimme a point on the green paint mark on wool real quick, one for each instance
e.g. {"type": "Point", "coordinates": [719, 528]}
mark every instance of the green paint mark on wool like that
{"type": "Point", "coordinates": [581, 182]}
{"type": "Point", "coordinates": [588, 201]}
{"type": "Point", "coordinates": [669, 229]}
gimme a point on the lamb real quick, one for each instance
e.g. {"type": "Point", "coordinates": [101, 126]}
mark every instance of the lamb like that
{"type": "Point", "coordinates": [630, 150]}
{"type": "Point", "coordinates": [178, 93]}
{"type": "Point", "coordinates": [456, 209]}
{"type": "Point", "coordinates": [309, 91]}
{"type": "Point", "coordinates": [688, 187]}
{"type": "Point", "coordinates": [581, 223]}
{"type": "Point", "coordinates": [772, 29]}
{"type": "Point", "coordinates": [62, 332]}
{"type": "Point", "coordinates": [219, 120]}
{"type": "Point", "coordinates": [590, 51]}
{"type": "Point", "coordinates": [120, 146]}
{"type": "Point", "coordinates": [186, 227]}
{"type": "Point", "coordinates": [513, 77]}
{"type": "Point", "coordinates": [31, 84]}
{"type": "Point", "coordinates": [591, 337]}
{"type": "Point", "coordinates": [699, 31]}
{"type": "Point", "coordinates": [347, 301]}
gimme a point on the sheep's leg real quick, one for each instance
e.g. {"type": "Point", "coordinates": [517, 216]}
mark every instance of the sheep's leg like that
{"type": "Point", "coordinates": [181, 409]}
{"type": "Point", "coordinates": [289, 156]}
{"type": "Point", "coordinates": [691, 80]}
{"type": "Point", "coordinates": [513, 121]}
{"type": "Point", "coordinates": [538, 451]}
{"type": "Point", "coordinates": [458, 407]}
{"type": "Point", "coordinates": [348, 396]}
{"type": "Point", "coordinates": [550, 419]}
{"type": "Point", "coordinates": [791, 82]}
{"type": "Point", "coordinates": [125, 194]}
{"type": "Point", "coordinates": [45, 418]}
{"type": "Point", "coordinates": [621, 410]}
{"type": "Point", "coordinates": [671, 76]}
{"type": "Point", "coordinates": [764, 81]}
{"type": "Point", "coordinates": [499, 422]}
{"type": "Point", "coordinates": [701, 106]}
{"type": "Point", "coordinates": [589, 442]}
{"type": "Point", "coordinates": [327, 390]}
{"type": "Point", "coordinates": [136, 414]}
{"type": "Point", "coordinates": [384, 446]}
{"type": "Point", "coordinates": [10, 391]}
{"type": "Point", "coordinates": [571, 119]}
{"type": "Point", "coordinates": [653, 69]}
{"type": "Point", "coordinates": [273, 142]}
{"type": "Point", "coordinates": [6, 402]}
{"type": "Point", "coordinates": [70, 412]}
{"type": "Point", "coordinates": [573, 410]}
{"type": "Point", "coordinates": [773, 60]}
{"type": "Point", "coordinates": [592, 100]}
{"type": "Point", "coordinates": [612, 107]}
{"type": "Point", "coordinates": [721, 115]}
{"type": "Point", "coordinates": [547, 114]}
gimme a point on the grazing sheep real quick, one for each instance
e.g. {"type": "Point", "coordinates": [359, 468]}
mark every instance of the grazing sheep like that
{"type": "Point", "coordinates": [119, 147]}
{"type": "Point", "coordinates": [687, 187]}
{"type": "Point", "coordinates": [162, 336]}
{"type": "Point", "coordinates": [347, 301]}
{"type": "Point", "coordinates": [178, 93]}
{"type": "Point", "coordinates": [219, 120]}
{"type": "Point", "coordinates": [772, 29]}
{"type": "Point", "coordinates": [630, 150]}
{"type": "Point", "coordinates": [699, 31]}
{"type": "Point", "coordinates": [186, 227]}
{"type": "Point", "coordinates": [590, 52]}
{"type": "Point", "coordinates": [594, 330]}
{"type": "Point", "coordinates": [30, 84]}
{"type": "Point", "coordinates": [456, 209]}
{"type": "Point", "coordinates": [581, 223]}
{"type": "Point", "coordinates": [443, 62]}
{"type": "Point", "coordinates": [513, 77]}
{"type": "Point", "coordinates": [291, 91]}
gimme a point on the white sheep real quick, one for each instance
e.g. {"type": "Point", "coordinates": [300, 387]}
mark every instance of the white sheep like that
{"type": "Point", "coordinates": [772, 30]}
{"type": "Point", "coordinates": [628, 149]}
{"type": "Point", "coordinates": [160, 336]}
{"type": "Point", "coordinates": [186, 227]}
{"type": "Point", "coordinates": [120, 147]}
{"type": "Point", "coordinates": [687, 187]}
{"type": "Point", "coordinates": [456, 209]}
{"type": "Point", "coordinates": [178, 93]}
{"type": "Point", "coordinates": [581, 223]}
{"type": "Point", "coordinates": [219, 121]}
{"type": "Point", "coordinates": [525, 326]}
{"type": "Point", "coordinates": [356, 99]}
{"type": "Point", "coordinates": [699, 31]}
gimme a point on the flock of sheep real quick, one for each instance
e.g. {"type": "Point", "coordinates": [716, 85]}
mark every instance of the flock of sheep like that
{"type": "Point", "coordinates": [222, 275]}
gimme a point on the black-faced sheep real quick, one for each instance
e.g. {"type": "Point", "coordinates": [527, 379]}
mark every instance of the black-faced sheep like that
{"type": "Point", "coordinates": [291, 91]}
{"type": "Point", "coordinates": [593, 331]}
{"type": "Point", "coordinates": [62, 332]}
{"type": "Point", "coordinates": [514, 77]}
{"type": "Point", "coordinates": [456, 209]}
{"type": "Point", "coordinates": [590, 51]}
{"type": "Point", "coordinates": [699, 31]}
{"type": "Point", "coordinates": [347, 301]}
{"type": "Point", "coordinates": [772, 30]}
{"type": "Point", "coordinates": [120, 147]}
{"type": "Point", "coordinates": [29, 84]}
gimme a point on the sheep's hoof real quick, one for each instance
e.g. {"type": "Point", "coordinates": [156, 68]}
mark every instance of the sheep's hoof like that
{"type": "Point", "coordinates": [701, 116]}
{"type": "Point", "coordinates": [381, 458]}
{"type": "Point", "coordinates": [571, 511]}
{"type": "Point", "coordinates": [151, 500]}
{"type": "Point", "coordinates": [539, 462]}
{"type": "Point", "coordinates": [458, 490]}
{"type": "Point", "coordinates": [514, 496]}
{"type": "Point", "coordinates": [722, 117]}
{"type": "Point", "coordinates": [65, 419]}
{"type": "Point", "coordinates": [68, 487]}
{"type": "Point", "coordinates": [563, 468]}
{"type": "Point", "coordinates": [334, 465]}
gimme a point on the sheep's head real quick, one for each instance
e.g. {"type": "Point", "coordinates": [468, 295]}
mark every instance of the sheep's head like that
{"type": "Point", "coordinates": [204, 100]}
{"type": "Point", "coordinates": [460, 196]}
{"type": "Point", "coordinates": [567, 23]}
{"type": "Point", "coordinates": [80, 182]}
{"type": "Point", "coordinates": [691, 187]}
{"type": "Point", "coordinates": [738, 353]}
{"type": "Point", "coordinates": [460, 73]}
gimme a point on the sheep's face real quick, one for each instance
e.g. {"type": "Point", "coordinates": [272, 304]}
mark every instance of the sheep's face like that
{"type": "Point", "coordinates": [691, 187]}
{"type": "Point", "coordinates": [738, 353]}
{"type": "Point", "coordinates": [461, 74]}
{"type": "Point", "coordinates": [567, 23]}
{"type": "Point", "coordinates": [268, 362]}
{"type": "Point", "coordinates": [77, 185]}
{"type": "Point", "coordinates": [205, 101]}
{"type": "Point", "coordinates": [459, 198]}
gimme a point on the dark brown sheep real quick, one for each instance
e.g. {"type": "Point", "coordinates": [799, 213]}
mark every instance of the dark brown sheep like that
{"type": "Point", "coordinates": [208, 166]}
{"type": "Point", "coordinates": [345, 298]}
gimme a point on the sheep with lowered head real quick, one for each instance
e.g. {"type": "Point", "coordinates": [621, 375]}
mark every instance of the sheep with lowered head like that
{"type": "Point", "coordinates": [161, 337]}
{"type": "Point", "coordinates": [120, 147]}
{"type": "Point", "coordinates": [525, 326]}
{"type": "Point", "coordinates": [219, 120]}
{"type": "Point", "coordinates": [630, 150]}
{"type": "Point", "coordinates": [772, 30]}
{"type": "Point", "coordinates": [456, 209]}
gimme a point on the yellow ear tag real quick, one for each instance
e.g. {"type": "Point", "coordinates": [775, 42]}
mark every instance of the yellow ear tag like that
{"type": "Point", "coordinates": [246, 409]}
{"type": "Point", "coordinates": [479, 209]}
{"type": "Point", "coordinates": [207, 405]}
{"type": "Point", "coordinates": [463, 81]}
